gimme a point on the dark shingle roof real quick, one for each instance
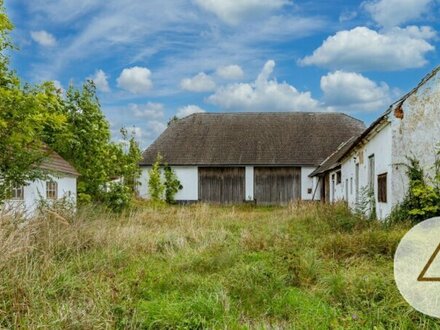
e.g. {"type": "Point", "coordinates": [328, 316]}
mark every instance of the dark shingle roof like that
{"type": "Point", "coordinates": [55, 163]}
{"type": "Point", "coordinates": [295, 138]}
{"type": "Point", "coordinates": [333, 161]}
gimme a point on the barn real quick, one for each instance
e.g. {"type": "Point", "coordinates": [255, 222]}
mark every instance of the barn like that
{"type": "Point", "coordinates": [231, 158]}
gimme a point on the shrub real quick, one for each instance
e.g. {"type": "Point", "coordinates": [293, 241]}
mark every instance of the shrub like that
{"type": "Point", "coordinates": [163, 187]}
{"type": "Point", "coordinates": [117, 197]}
{"type": "Point", "coordinates": [172, 185]}
{"type": "Point", "coordinates": [422, 200]}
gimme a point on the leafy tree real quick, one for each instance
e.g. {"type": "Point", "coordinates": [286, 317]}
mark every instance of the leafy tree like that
{"type": "Point", "coordinates": [130, 170]}
{"type": "Point", "coordinates": [26, 113]}
{"type": "Point", "coordinates": [156, 187]}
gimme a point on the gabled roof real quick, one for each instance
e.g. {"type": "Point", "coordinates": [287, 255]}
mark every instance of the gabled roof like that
{"type": "Point", "coordinates": [55, 163]}
{"type": "Point", "coordinates": [292, 138]}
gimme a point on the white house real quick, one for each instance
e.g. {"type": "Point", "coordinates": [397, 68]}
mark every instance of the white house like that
{"type": "Point", "coordinates": [238, 157]}
{"type": "Point", "coordinates": [376, 160]}
{"type": "Point", "coordinates": [59, 184]}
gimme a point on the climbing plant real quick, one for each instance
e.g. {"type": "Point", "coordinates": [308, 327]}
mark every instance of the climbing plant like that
{"type": "Point", "coordinates": [422, 200]}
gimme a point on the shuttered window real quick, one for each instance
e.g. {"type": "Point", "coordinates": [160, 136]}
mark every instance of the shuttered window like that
{"type": "Point", "coordinates": [382, 188]}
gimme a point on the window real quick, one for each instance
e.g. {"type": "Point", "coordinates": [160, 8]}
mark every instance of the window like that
{"type": "Point", "coordinates": [51, 190]}
{"type": "Point", "coordinates": [351, 186]}
{"type": "Point", "coordinates": [338, 177]}
{"type": "Point", "coordinates": [382, 188]}
{"type": "Point", "coordinates": [371, 172]}
{"type": "Point", "coordinates": [17, 193]}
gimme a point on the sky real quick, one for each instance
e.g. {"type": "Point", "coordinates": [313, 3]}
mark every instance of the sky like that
{"type": "Point", "coordinates": [155, 59]}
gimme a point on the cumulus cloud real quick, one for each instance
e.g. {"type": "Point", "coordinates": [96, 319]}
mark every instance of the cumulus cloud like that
{"type": "Point", "coordinates": [352, 92]}
{"type": "Point", "coordinates": [263, 95]}
{"type": "Point", "coordinates": [363, 49]}
{"type": "Point", "coordinates": [188, 110]}
{"type": "Point", "coordinates": [389, 13]}
{"type": "Point", "coordinates": [231, 72]}
{"type": "Point", "coordinates": [43, 38]}
{"type": "Point", "coordinates": [199, 83]}
{"type": "Point", "coordinates": [234, 11]}
{"type": "Point", "coordinates": [150, 110]}
{"type": "Point", "coordinates": [136, 80]}
{"type": "Point", "coordinates": [101, 81]}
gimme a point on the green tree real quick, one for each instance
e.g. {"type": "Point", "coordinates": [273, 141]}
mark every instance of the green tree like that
{"type": "Point", "coordinates": [26, 114]}
{"type": "Point", "coordinates": [156, 186]}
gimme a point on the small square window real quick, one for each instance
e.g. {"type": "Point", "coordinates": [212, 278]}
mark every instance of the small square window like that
{"type": "Point", "coordinates": [17, 193]}
{"type": "Point", "coordinates": [309, 191]}
{"type": "Point", "coordinates": [51, 190]}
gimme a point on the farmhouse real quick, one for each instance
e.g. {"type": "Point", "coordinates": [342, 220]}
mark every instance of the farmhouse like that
{"type": "Point", "coordinates": [237, 157]}
{"type": "Point", "coordinates": [60, 183]}
{"type": "Point", "coordinates": [374, 164]}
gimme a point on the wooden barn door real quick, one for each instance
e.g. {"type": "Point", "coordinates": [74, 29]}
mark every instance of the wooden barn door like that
{"type": "Point", "coordinates": [222, 185]}
{"type": "Point", "coordinates": [277, 185]}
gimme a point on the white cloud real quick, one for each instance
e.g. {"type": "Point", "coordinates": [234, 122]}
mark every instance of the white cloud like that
{"type": "Point", "coordinates": [136, 80]}
{"type": "Point", "coordinates": [199, 83]}
{"type": "Point", "coordinates": [188, 110]}
{"type": "Point", "coordinates": [150, 110]}
{"type": "Point", "coordinates": [263, 95]}
{"type": "Point", "coordinates": [43, 38]}
{"type": "Point", "coordinates": [101, 81]}
{"type": "Point", "coordinates": [352, 92]}
{"type": "Point", "coordinates": [389, 13]}
{"type": "Point", "coordinates": [234, 11]}
{"type": "Point", "coordinates": [155, 128]}
{"type": "Point", "coordinates": [231, 72]}
{"type": "Point", "coordinates": [362, 49]}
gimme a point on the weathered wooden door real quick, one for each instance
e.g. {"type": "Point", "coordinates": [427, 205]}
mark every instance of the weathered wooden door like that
{"type": "Point", "coordinates": [222, 185]}
{"type": "Point", "coordinates": [277, 185]}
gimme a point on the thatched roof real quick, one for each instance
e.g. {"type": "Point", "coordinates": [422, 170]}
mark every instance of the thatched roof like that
{"type": "Point", "coordinates": [294, 138]}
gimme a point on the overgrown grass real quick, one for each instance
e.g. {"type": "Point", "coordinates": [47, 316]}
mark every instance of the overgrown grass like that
{"type": "Point", "coordinates": [306, 266]}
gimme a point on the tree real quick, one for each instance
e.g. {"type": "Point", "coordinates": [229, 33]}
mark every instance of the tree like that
{"type": "Point", "coordinates": [156, 187]}
{"type": "Point", "coordinates": [26, 113]}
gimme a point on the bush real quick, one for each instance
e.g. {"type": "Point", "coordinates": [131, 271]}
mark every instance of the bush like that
{"type": "Point", "coordinates": [163, 187]}
{"type": "Point", "coordinates": [117, 197]}
{"type": "Point", "coordinates": [422, 200]}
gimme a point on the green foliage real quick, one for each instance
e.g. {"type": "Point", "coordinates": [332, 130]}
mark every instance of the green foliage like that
{"type": "Point", "coordinates": [366, 204]}
{"type": "Point", "coordinates": [172, 184]}
{"type": "Point", "coordinates": [422, 200]}
{"type": "Point", "coordinates": [117, 197]}
{"type": "Point", "coordinates": [163, 184]}
{"type": "Point", "coordinates": [85, 141]}
{"type": "Point", "coordinates": [26, 114]}
{"type": "Point", "coordinates": [156, 187]}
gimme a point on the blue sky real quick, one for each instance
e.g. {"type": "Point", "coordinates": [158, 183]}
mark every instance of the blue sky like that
{"type": "Point", "coordinates": [155, 59]}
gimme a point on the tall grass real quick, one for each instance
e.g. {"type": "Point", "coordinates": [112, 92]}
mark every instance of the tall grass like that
{"type": "Point", "coordinates": [306, 266]}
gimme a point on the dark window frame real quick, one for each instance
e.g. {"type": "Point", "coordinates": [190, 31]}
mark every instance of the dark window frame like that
{"type": "Point", "coordinates": [17, 193]}
{"type": "Point", "coordinates": [52, 190]}
{"type": "Point", "coordinates": [382, 188]}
